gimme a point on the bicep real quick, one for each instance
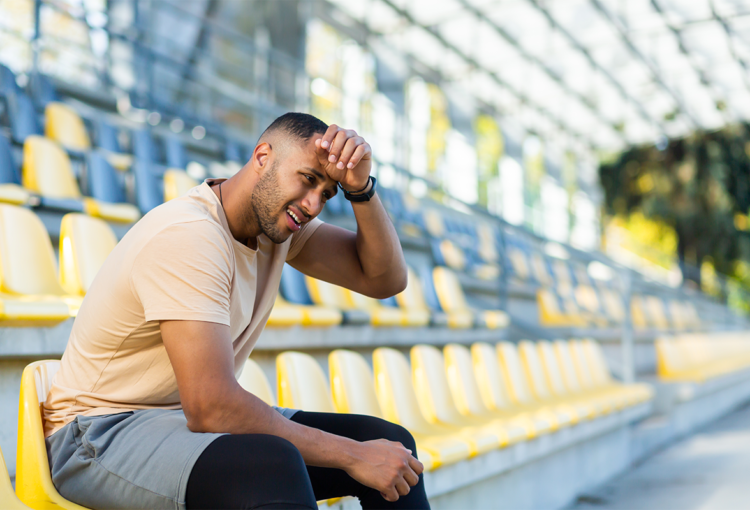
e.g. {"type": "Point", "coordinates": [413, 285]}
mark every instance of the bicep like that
{"type": "Point", "coordinates": [330, 254]}
{"type": "Point", "coordinates": [202, 358]}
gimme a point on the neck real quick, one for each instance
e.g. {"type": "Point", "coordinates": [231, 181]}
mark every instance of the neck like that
{"type": "Point", "coordinates": [244, 229]}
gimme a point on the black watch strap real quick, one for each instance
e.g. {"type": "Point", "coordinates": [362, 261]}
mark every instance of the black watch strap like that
{"type": "Point", "coordinates": [362, 197]}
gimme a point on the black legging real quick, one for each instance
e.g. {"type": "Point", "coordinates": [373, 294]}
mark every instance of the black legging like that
{"type": "Point", "coordinates": [263, 471]}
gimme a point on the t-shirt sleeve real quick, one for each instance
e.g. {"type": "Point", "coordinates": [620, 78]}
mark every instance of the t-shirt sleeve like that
{"type": "Point", "coordinates": [300, 238]}
{"type": "Point", "coordinates": [184, 273]}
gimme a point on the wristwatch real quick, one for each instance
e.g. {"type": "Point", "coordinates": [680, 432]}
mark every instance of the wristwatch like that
{"type": "Point", "coordinates": [357, 196]}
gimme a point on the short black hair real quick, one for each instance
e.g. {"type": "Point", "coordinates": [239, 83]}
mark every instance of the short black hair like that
{"type": "Point", "coordinates": [299, 125]}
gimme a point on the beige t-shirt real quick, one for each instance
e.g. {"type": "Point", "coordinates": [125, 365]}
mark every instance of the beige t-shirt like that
{"type": "Point", "coordinates": [179, 262]}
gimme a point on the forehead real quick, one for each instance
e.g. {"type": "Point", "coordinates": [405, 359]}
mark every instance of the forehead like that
{"type": "Point", "coordinates": [300, 154]}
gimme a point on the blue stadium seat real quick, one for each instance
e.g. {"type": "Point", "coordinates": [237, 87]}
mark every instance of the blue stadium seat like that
{"type": "Point", "coordinates": [9, 173]}
{"type": "Point", "coordinates": [7, 81]}
{"type": "Point", "coordinates": [23, 118]}
{"type": "Point", "coordinates": [149, 191]}
{"type": "Point", "coordinates": [42, 90]}
{"type": "Point", "coordinates": [106, 136]}
{"type": "Point", "coordinates": [106, 186]}
{"type": "Point", "coordinates": [175, 152]}
{"type": "Point", "coordinates": [144, 148]}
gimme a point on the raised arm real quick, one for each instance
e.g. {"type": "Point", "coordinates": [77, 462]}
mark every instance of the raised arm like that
{"type": "Point", "coordinates": [369, 261]}
{"type": "Point", "coordinates": [213, 401]}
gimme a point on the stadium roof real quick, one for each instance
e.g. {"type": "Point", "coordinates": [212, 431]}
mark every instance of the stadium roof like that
{"type": "Point", "coordinates": [608, 73]}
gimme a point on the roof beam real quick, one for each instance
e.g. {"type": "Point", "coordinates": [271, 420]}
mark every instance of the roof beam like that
{"type": "Point", "coordinates": [730, 33]}
{"type": "Point", "coordinates": [585, 52]}
{"type": "Point", "coordinates": [548, 71]}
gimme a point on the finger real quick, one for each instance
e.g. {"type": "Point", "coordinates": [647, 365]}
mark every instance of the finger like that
{"type": "Point", "coordinates": [402, 488]}
{"type": "Point", "coordinates": [336, 146]}
{"type": "Point", "coordinates": [417, 466]}
{"type": "Point", "coordinates": [390, 495]}
{"type": "Point", "coordinates": [350, 146]}
{"type": "Point", "coordinates": [330, 133]}
{"type": "Point", "coordinates": [362, 152]}
{"type": "Point", "coordinates": [411, 477]}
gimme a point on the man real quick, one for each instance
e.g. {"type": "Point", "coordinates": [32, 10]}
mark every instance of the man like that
{"type": "Point", "coordinates": [146, 411]}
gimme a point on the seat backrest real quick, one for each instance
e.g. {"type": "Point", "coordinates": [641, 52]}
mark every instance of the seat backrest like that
{"type": "Point", "coordinates": [412, 297]}
{"type": "Point", "coordinates": [144, 148]}
{"type": "Point", "coordinates": [551, 368]}
{"type": "Point", "coordinates": [488, 374]}
{"type": "Point", "coordinates": [562, 273]}
{"type": "Point", "coordinates": [449, 291]}
{"type": "Point", "coordinates": [8, 83]}
{"type": "Point", "coordinates": [326, 294]}
{"type": "Point", "coordinates": [541, 271]}
{"type": "Point", "coordinates": [567, 366]}
{"type": "Point", "coordinates": [8, 170]}
{"type": "Point", "coordinates": [452, 255]}
{"type": "Point", "coordinates": [175, 152]}
{"type": "Point", "coordinates": [534, 370]}
{"type": "Point", "coordinates": [654, 307]}
{"type": "Point", "coordinates": [583, 368]}
{"type": "Point", "coordinates": [669, 358]}
{"type": "Point", "coordinates": [255, 381]}
{"type": "Point", "coordinates": [395, 390]}
{"type": "Point", "coordinates": [518, 261]}
{"type": "Point", "coordinates": [431, 384]}
{"type": "Point", "coordinates": [638, 313]}
{"type": "Point", "coordinates": [487, 248]}
{"type": "Point", "coordinates": [33, 480]}
{"type": "Point", "coordinates": [27, 261]}
{"type": "Point", "coordinates": [106, 136]}
{"type": "Point", "coordinates": [352, 384]}
{"type": "Point", "coordinates": [148, 187]}
{"type": "Point", "coordinates": [23, 119]}
{"type": "Point", "coordinates": [293, 286]}
{"type": "Point", "coordinates": [85, 243]}
{"type": "Point", "coordinates": [47, 170]}
{"type": "Point", "coordinates": [359, 301]}
{"type": "Point", "coordinates": [177, 183]}
{"type": "Point", "coordinates": [597, 362]}
{"type": "Point", "coordinates": [428, 288]}
{"type": "Point", "coordinates": [587, 298]}
{"type": "Point", "coordinates": [302, 383]}
{"type": "Point", "coordinates": [613, 304]}
{"type": "Point", "coordinates": [460, 370]}
{"type": "Point", "coordinates": [103, 181]}
{"type": "Point", "coordinates": [8, 497]}
{"type": "Point", "coordinates": [66, 127]}
{"type": "Point", "coordinates": [512, 369]}
{"type": "Point", "coordinates": [433, 220]}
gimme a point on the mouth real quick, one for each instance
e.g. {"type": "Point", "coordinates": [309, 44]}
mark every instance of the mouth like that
{"type": "Point", "coordinates": [293, 220]}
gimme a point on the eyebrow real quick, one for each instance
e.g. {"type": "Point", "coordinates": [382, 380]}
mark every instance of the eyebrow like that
{"type": "Point", "coordinates": [323, 178]}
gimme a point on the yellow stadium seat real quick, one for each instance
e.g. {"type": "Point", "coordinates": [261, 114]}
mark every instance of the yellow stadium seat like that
{"type": "Point", "coordinates": [540, 388]}
{"type": "Point", "coordinates": [494, 392]}
{"type": "Point", "coordinates": [434, 223]}
{"type": "Point", "coordinates": [517, 388]}
{"type": "Point", "coordinates": [453, 256]}
{"type": "Point", "coordinates": [677, 314]}
{"type": "Point", "coordinates": [519, 262]}
{"type": "Point", "coordinates": [550, 313]}
{"type": "Point", "coordinates": [85, 243]}
{"type": "Point", "coordinates": [8, 498]}
{"type": "Point", "coordinates": [603, 380]}
{"type": "Point", "coordinates": [30, 294]}
{"type": "Point", "coordinates": [698, 357]}
{"type": "Point", "coordinates": [437, 404]}
{"type": "Point", "coordinates": [33, 480]}
{"type": "Point", "coordinates": [654, 308]}
{"type": "Point", "coordinates": [638, 313]}
{"type": "Point", "coordinates": [65, 126]}
{"type": "Point", "coordinates": [255, 381]}
{"type": "Point", "coordinates": [310, 315]}
{"type": "Point", "coordinates": [452, 300]}
{"type": "Point", "coordinates": [177, 183]}
{"type": "Point", "coordinates": [464, 387]}
{"type": "Point", "coordinates": [381, 315]}
{"type": "Point", "coordinates": [352, 384]}
{"type": "Point", "coordinates": [412, 300]}
{"type": "Point", "coordinates": [588, 380]}
{"type": "Point", "coordinates": [570, 375]}
{"type": "Point", "coordinates": [487, 246]}
{"type": "Point", "coordinates": [613, 305]}
{"type": "Point", "coordinates": [47, 171]}
{"type": "Point", "coordinates": [541, 273]}
{"type": "Point", "coordinates": [14, 194]}
{"type": "Point", "coordinates": [399, 403]}
{"type": "Point", "coordinates": [284, 314]}
{"type": "Point", "coordinates": [301, 383]}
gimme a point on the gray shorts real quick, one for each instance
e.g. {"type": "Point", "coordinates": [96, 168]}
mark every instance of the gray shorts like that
{"type": "Point", "coordinates": [137, 459]}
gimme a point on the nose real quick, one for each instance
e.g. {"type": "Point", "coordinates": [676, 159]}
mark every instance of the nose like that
{"type": "Point", "coordinates": [312, 204]}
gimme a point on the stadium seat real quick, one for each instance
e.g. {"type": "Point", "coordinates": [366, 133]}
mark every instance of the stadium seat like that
{"type": "Point", "coordinates": [8, 83]}
{"type": "Point", "coordinates": [411, 300]}
{"type": "Point", "coordinates": [33, 480]}
{"type": "Point", "coordinates": [614, 306]}
{"type": "Point", "coordinates": [352, 385]}
{"type": "Point", "coordinates": [518, 262]}
{"type": "Point", "coordinates": [436, 401]}
{"type": "Point", "coordinates": [255, 381]}
{"type": "Point", "coordinates": [656, 314]}
{"type": "Point", "coordinates": [30, 294]}
{"type": "Point", "coordinates": [85, 243]}
{"type": "Point", "coordinates": [541, 270]}
{"type": "Point", "coordinates": [553, 374]}
{"type": "Point", "coordinates": [23, 119]}
{"type": "Point", "coordinates": [149, 192]}
{"type": "Point", "coordinates": [42, 89]}
{"type": "Point", "coordinates": [587, 380]}
{"type": "Point", "coordinates": [177, 183]}
{"type": "Point", "coordinates": [107, 189]}
{"type": "Point", "coordinates": [301, 383]}
{"type": "Point", "coordinates": [8, 498]}
{"type": "Point", "coordinates": [464, 387]}
{"type": "Point", "coordinates": [399, 402]}
{"type": "Point", "coordinates": [382, 314]}
{"type": "Point", "coordinates": [64, 125]}
{"type": "Point", "coordinates": [106, 137]}
{"type": "Point", "coordinates": [603, 381]}
{"type": "Point", "coordinates": [332, 296]}
{"type": "Point", "coordinates": [11, 191]}
{"type": "Point", "coordinates": [551, 313]}
{"type": "Point", "coordinates": [284, 315]}
{"type": "Point", "coordinates": [517, 388]}
{"type": "Point", "coordinates": [293, 288]}
{"type": "Point", "coordinates": [638, 313]}
{"type": "Point", "coordinates": [174, 150]}
{"type": "Point", "coordinates": [572, 376]}
{"type": "Point", "coordinates": [540, 389]}
{"type": "Point", "coordinates": [452, 299]}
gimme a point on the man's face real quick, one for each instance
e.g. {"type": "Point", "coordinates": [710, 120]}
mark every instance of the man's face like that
{"type": "Point", "coordinates": [291, 192]}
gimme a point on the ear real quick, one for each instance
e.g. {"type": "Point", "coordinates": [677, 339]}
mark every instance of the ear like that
{"type": "Point", "coordinates": [261, 156]}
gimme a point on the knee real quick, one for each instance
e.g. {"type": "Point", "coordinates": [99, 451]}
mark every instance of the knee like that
{"type": "Point", "coordinates": [395, 432]}
{"type": "Point", "coordinates": [286, 454]}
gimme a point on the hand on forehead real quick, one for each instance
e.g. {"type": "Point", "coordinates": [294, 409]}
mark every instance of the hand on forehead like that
{"type": "Point", "coordinates": [344, 155]}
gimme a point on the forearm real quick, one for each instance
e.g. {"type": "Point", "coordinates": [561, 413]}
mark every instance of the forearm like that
{"type": "Point", "coordinates": [243, 413]}
{"type": "Point", "coordinates": [378, 247]}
